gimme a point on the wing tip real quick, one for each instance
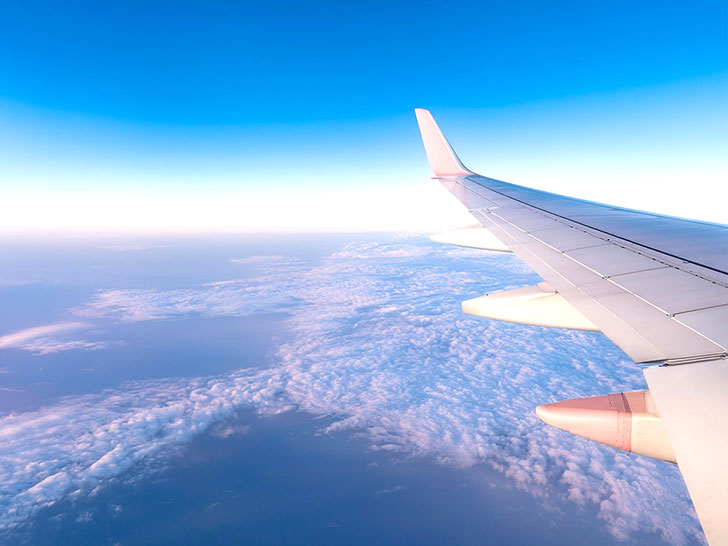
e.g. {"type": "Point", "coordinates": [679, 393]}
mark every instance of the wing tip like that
{"type": "Point", "coordinates": [443, 159]}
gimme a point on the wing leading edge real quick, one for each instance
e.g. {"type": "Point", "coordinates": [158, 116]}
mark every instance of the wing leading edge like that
{"type": "Point", "coordinates": [656, 286]}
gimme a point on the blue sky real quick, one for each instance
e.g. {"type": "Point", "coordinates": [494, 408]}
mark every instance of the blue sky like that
{"type": "Point", "coordinates": [214, 103]}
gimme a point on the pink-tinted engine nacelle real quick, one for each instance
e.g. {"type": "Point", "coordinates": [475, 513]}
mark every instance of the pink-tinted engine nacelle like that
{"type": "Point", "coordinates": [627, 421]}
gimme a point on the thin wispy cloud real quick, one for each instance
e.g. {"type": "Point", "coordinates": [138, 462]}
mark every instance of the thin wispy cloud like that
{"type": "Point", "coordinates": [50, 338]}
{"type": "Point", "coordinates": [380, 345]}
{"type": "Point", "coordinates": [132, 247]}
{"type": "Point", "coordinates": [16, 282]}
{"type": "Point", "coordinates": [259, 259]}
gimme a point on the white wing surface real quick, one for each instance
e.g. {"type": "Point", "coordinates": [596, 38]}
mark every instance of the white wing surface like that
{"type": "Point", "coordinates": [656, 286]}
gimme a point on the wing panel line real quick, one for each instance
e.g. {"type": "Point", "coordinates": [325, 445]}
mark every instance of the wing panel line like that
{"type": "Point", "coordinates": [598, 229]}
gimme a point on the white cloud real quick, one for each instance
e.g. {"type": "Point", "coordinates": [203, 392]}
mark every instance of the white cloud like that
{"type": "Point", "coordinates": [16, 338]}
{"type": "Point", "coordinates": [381, 345]}
{"type": "Point", "coordinates": [258, 259]}
{"type": "Point", "coordinates": [44, 339]}
{"type": "Point", "coordinates": [82, 441]}
{"type": "Point", "coordinates": [84, 517]}
{"type": "Point", "coordinates": [223, 430]}
{"type": "Point", "coordinates": [389, 491]}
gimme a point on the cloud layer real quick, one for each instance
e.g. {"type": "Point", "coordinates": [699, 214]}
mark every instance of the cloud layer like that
{"type": "Point", "coordinates": [379, 343]}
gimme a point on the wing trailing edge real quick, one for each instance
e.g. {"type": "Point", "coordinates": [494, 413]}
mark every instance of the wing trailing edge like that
{"type": "Point", "coordinates": [471, 237]}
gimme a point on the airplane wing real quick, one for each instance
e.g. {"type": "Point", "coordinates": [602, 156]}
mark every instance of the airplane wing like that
{"type": "Point", "coordinates": [656, 286]}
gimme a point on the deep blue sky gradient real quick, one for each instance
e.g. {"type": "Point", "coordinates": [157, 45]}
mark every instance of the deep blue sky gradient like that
{"type": "Point", "coordinates": [240, 63]}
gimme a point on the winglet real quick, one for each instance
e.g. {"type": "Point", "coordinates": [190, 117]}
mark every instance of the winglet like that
{"type": "Point", "coordinates": [443, 159]}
